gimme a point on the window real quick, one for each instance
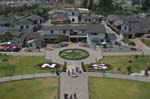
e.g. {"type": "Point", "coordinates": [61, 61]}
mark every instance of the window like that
{"type": "Point", "coordinates": [27, 26]}
{"type": "Point", "coordinates": [73, 19]}
{"type": "Point", "coordinates": [30, 45]}
{"type": "Point", "coordinates": [83, 31]}
{"type": "Point", "coordinates": [71, 31]}
{"type": "Point", "coordinates": [73, 14]}
{"type": "Point", "coordinates": [64, 31]}
{"type": "Point", "coordinates": [89, 20]}
{"type": "Point", "coordinates": [125, 27]}
{"type": "Point", "coordinates": [85, 20]}
{"type": "Point", "coordinates": [52, 31]}
{"type": "Point", "coordinates": [94, 34]}
{"type": "Point", "coordinates": [40, 21]}
{"type": "Point", "coordinates": [102, 40]}
{"type": "Point", "coordinates": [21, 27]}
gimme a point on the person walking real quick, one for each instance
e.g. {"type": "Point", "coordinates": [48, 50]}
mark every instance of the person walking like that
{"type": "Point", "coordinates": [68, 72]}
{"type": "Point", "coordinates": [104, 73]}
{"type": "Point", "coordinates": [71, 96]}
{"type": "Point", "coordinates": [65, 96]}
{"type": "Point", "coordinates": [73, 72]}
{"type": "Point", "coordinates": [75, 97]}
{"type": "Point", "coordinates": [77, 69]}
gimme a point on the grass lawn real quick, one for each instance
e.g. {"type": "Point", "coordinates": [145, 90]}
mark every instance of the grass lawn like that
{"type": "Point", "coordinates": [146, 42]}
{"type": "Point", "coordinates": [129, 42]}
{"type": "Point", "coordinates": [14, 65]}
{"type": "Point", "coordinates": [122, 62]}
{"type": "Point", "coordinates": [43, 88]}
{"type": "Point", "coordinates": [108, 88]}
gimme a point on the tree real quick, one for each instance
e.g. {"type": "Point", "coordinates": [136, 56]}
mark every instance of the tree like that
{"type": "Point", "coordinates": [146, 5]}
{"type": "Point", "coordinates": [129, 69]}
{"type": "Point", "coordinates": [83, 67]}
{"type": "Point", "coordinates": [84, 3]}
{"type": "Point", "coordinates": [106, 4]}
{"type": "Point", "coordinates": [136, 2]}
{"type": "Point", "coordinates": [69, 1]}
{"type": "Point", "coordinates": [65, 67]}
{"type": "Point", "coordinates": [90, 6]}
{"type": "Point", "coordinates": [6, 37]}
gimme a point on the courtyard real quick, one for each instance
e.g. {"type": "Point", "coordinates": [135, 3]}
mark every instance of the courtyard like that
{"type": "Point", "coordinates": [84, 84]}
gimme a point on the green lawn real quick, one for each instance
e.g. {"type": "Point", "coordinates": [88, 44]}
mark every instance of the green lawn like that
{"type": "Point", "coordinates": [146, 42]}
{"type": "Point", "coordinates": [43, 88]}
{"type": "Point", "coordinates": [107, 88]}
{"type": "Point", "coordinates": [122, 62]}
{"type": "Point", "coordinates": [15, 65]}
{"type": "Point", "coordinates": [129, 42]}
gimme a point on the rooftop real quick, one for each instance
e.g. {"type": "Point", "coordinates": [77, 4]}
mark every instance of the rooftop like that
{"type": "Point", "coordinates": [90, 27]}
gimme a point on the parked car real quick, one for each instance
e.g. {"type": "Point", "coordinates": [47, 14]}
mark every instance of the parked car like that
{"type": "Point", "coordinates": [8, 47]}
{"type": "Point", "coordinates": [5, 47]}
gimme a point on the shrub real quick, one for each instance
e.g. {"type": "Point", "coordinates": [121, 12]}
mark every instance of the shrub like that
{"type": "Point", "coordinates": [65, 67]}
{"type": "Point", "coordinates": [83, 67]}
{"type": "Point", "coordinates": [129, 69]}
{"type": "Point", "coordinates": [136, 56]}
{"type": "Point", "coordinates": [129, 42]}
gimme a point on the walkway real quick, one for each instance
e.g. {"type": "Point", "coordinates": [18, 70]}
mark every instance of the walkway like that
{"type": "Point", "coordinates": [65, 76]}
{"type": "Point", "coordinates": [24, 53]}
{"type": "Point", "coordinates": [78, 85]}
{"type": "Point", "coordinates": [120, 76]}
{"type": "Point", "coordinates": [140, 44]}
{"type": "Point", "coordinates": [27, 76]}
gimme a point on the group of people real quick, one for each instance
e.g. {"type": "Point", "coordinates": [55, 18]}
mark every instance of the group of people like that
{"type": "Point", "coordinates": [74, 71]}
{"type": "Point", "coordinates": [71, 96]}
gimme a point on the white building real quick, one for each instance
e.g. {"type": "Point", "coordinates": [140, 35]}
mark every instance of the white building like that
{"type": "Point", "coordinates": [95, 33]}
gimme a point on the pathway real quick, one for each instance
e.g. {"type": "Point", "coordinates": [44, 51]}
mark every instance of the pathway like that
{"type": "Point", "coordinates": [140, 44]}
{"type": "Point", "coordinates": [26, 76]}
{"type": "Point", "coordinates": [24, 53]}
{"type": "Point", "coordinates": [78, 85]}
{"type": "Point", "coordinates": [64, 76]}
{"type": "Point", "coordinates": [120, 76]}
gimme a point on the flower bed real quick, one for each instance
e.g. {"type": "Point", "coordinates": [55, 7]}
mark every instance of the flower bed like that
{"type": "Point", "coordinates": [74, 54]}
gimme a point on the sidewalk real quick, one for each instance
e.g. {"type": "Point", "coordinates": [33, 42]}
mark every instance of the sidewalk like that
{"type": "Point", "coordinates": [78, 85]}
{"type": "Point", "coordinates": [120, 76]}
{"type": "Point", "coordinates": [27, 76]}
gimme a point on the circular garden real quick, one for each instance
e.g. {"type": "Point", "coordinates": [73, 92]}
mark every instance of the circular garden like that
{"type": "Point", "coordinates": [74, 54]}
